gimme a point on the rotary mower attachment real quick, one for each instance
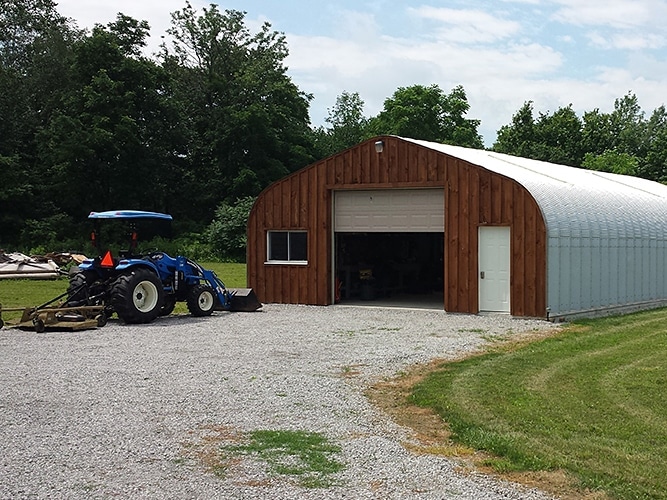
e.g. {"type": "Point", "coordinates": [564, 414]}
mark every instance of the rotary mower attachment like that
{"type": "Point", "coordinates": [59, 317]}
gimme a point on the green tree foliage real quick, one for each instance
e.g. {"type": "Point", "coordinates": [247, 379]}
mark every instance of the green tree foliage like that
{"type": "Point", "coordinates": [348, 125]}
{"type": "Point", "coordinates": [551, 137]}
{"type": "Point", "coordinates": [24, 25]}
{"type": "Point", "coordinates": [430, 114]}
{"type": "Point", "coordinates": [418, 112]}
{"type": "Point", "coordinates": [347, 119]}
{"type": "Point", "coordinates": [89, 123]}
{"type": "Point", "coordinates": [653, 154]}
{"type": "Point", "coordinates": [622, 130]}
{"type": "Point", "coordinates": [628, 124]}
{"type": "Point", "coordinates": [227, 234]}
{"type": "Point", "coordinates": [518, 137]}
{"type": "Point", "coordinates": [34, 52]}
{"type": "Point", "coordinates": [110, 144]}
{"type": "Point", "coordinates": [596, 134]}
{"type": "Point", "coordinates": [611, 161]}
{"type": "Point", "coordinates": [622, 141]}
{"type": "Point", "coordinates": [247, 123]}
{"type": "Point", "coordinates": [560, 136]}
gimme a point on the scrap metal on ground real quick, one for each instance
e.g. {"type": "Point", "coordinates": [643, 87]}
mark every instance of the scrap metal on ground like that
{"type": "Point", "coordinates": [19, 266]}
{"type": "Point", "coordinates": [16, 265]}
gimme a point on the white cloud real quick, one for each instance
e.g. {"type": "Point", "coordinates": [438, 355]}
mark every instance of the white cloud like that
{"type": "Point", "coordinates": [347, 58]}
{"type": "Point", "coordinates": [327, 66]}
{"type": "Point", "coordinates": [620, 24]}
{"type": "Point", "coordinates": [527, 2]}
{"type": "Point", "coordinates": [497, 80]}
{"type": "Point", "coordinates": [360, 26]}
{"type": "Point", "coordinates": [87, 13]}
{"type": "Point", "coordinates": [614, 13]}
{"type": "Point", "coordinates": [467, 26]}
{"type": "Point", "coordinates": [627, 41]}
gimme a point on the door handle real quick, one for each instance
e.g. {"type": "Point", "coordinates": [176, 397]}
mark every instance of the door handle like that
{"type": "Point", "coordinates": [481, 275]}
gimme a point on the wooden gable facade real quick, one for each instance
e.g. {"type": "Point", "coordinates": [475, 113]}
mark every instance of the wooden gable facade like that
{"type": "Point", "coordinates": [474, 197]}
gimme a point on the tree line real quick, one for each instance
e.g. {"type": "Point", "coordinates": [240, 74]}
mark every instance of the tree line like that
{"type": "Point", "coordinates": [623, 141]}
{"type": "Point", "coordinates": [88, 122]}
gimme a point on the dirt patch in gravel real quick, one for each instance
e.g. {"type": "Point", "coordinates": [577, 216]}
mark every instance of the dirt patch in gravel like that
{"type": "Point", "coordinates": [432, 434]}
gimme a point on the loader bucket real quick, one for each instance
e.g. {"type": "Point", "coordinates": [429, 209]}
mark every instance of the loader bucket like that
{"type": "Point", "coordinates": [244, 300]}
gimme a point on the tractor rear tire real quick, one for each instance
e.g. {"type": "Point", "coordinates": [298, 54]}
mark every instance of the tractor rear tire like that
{"type": "Point", "coordinates": [137, 297]}
{"type": "Point", "coordinates": [201, 300]}
{"type": "Point", "coordinates": [81, 288]}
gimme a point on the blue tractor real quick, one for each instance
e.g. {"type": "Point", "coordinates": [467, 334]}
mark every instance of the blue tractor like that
{"type": "Point", "coordinates": [140, 286]}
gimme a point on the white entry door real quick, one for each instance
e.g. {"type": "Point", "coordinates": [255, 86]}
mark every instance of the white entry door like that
{"type": "Point", "coordinates": [494, 269]}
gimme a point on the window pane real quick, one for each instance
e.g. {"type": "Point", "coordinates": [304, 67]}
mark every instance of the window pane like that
{"type": "Point", "coordinates": [277, 245]}
{"type": "Point", "coordinates": [298, 246]}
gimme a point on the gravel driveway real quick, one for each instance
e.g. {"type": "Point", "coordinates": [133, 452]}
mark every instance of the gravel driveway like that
{"type": "Point", "coordinates": [131, 411]}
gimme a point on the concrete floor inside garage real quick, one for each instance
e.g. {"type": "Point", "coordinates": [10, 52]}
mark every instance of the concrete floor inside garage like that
{"type": "Point", "coordinates": [434, 301]}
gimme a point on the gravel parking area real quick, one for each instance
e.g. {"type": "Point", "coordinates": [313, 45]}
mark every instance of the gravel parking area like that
{"type": "Point", "coordinates": [131, 411]}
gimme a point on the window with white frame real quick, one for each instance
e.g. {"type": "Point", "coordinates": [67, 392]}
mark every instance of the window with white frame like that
{"type": "Point", "coordinates": [287, 247]}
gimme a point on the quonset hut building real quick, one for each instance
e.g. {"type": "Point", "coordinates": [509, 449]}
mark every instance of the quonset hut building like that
{"type": "Point", "coordinates": [482, 231]}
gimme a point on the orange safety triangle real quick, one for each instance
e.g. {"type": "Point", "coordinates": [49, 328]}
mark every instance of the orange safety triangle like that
{"type": "Point", "coordinates": [107, 261]}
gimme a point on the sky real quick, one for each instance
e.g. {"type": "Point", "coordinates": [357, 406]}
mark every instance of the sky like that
{"type": "Point", "coordinates": [586, 53]}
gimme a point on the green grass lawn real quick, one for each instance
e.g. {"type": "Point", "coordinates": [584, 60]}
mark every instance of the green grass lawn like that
{"type": "Point", "coordinates": [24, 293]}
{"type": "Point", "coordinates": [233, 275]}
{"type": "Point", "coordinates": [590, 401]}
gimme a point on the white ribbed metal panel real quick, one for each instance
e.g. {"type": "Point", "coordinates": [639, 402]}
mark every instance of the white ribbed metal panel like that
{"type": "Point", "coordinates": [606, 233]}
{"type": "Point", "coordinates": [390, 210]}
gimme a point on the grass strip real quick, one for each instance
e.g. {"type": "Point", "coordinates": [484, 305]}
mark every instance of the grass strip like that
{"type": "Point", "coordinates": [589, 401]}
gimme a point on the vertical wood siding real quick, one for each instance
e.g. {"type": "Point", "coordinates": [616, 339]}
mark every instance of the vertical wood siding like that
{"type": "Point", "coordinates": [473, 197]}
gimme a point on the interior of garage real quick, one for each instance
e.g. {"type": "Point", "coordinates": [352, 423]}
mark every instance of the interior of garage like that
{"type": "Point", "coordinates": [390, 269]}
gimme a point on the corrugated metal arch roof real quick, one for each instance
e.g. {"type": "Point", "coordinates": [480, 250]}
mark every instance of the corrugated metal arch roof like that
{"type": "Point", "coordinates": [578, 202]}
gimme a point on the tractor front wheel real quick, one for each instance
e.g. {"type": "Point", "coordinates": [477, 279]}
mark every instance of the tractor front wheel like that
{"type": "Point", "coordinates": [201, 300]}
{"type": "Point", "coordinates": [137, 297]}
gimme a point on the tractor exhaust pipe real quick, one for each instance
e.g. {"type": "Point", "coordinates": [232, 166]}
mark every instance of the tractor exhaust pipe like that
{"type": "Point", "coordinates": [243, 300]}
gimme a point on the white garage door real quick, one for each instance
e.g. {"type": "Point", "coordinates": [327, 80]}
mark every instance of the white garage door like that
{"type": "Point", "coordinates": [390, 210]}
